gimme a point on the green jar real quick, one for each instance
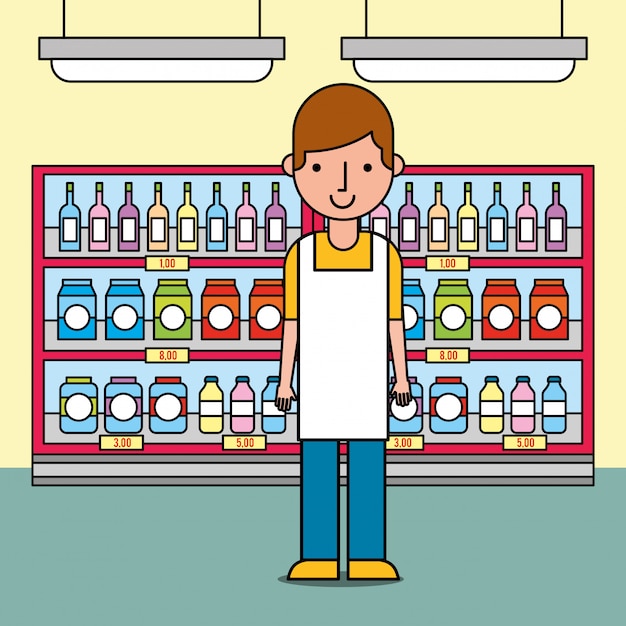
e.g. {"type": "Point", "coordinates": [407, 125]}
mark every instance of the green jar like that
{"type": "Point", "coordinates": [172, 310]}
{"type": "Point", "coordinates": [453, 310]}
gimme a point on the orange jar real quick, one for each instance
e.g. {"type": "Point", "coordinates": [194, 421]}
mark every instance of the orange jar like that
{"type": "Point", "coordinates": [549, 309]}
{"type": "Point", "coordinates": [501, 310]}
{"type": "Point", "coordinates": [220, 310]}
{"type": "Point", "coordinates": [266, 309]}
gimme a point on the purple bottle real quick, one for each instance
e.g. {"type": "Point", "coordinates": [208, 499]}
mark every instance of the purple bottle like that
{"type": "Point", "coordinates": [526, 223]}
{"type": "Point", "coordinates": [522, 406]}
{"type": "Point", "coordinates": [128, 223]}
{"type": "Point", "coordinates": [245, 222]}
{"type": "Point", "coordinates": [275, 223]}
{"type": "Point", "coordinates": [409, 223]}
{"type": "Point", "coordinates": [556, 222]}
{"type": "Point", "coordinates": [242, 406]}
{"type": "Point", "coordinates": [99, 218]}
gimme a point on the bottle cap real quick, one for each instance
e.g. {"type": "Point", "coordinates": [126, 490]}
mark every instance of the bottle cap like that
{"type": "Point", "coordinates": [275, 186]}
{"type": "Point", "coordinates": [437, 186]}
{"type": "Point", "coordinates": [242, 379]}
{"type": "Point", "coordinates": [69, 186]}
{"type": "Point", "coordinates": [211, 379]}
{"type": "Point", "coordinates": [273, 379]}
{"type": "Point", "coordinates": [98, 186]}
{"type": "Point", "coordinates": [491, 379]}
{"type": "Point", "coordinates": [409, 186]}
{"type": "Point", "coordinates": [216, 187]}
{"type": "Point", "coordinates": [526, 186]}
{"type": "Point", "coordinates": [554, 379]}
{"type": "Point", "coordinates": [157, 186]}
{"type": "Point", "coordinates": [246, 186]}
{"type": "Point", "coordinates": [496, 186]}
{"type": "Point", "coordinates": [468, 187]}
{"type": "Point", "coordinates": [555, 186]}
{"type": "Point", "coordinates": [128, 186]}
{"type": "Point", "coordinates": [522, 379]}
{"type": "Point", "coordinates": [187, 187]}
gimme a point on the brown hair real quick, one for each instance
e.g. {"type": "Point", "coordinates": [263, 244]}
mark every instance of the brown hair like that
{"type": "Point", "coordinates": [338, 115]}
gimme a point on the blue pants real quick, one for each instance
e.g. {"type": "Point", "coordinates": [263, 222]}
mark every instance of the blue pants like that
{"type": "Point", "coordinates": [319, 500]}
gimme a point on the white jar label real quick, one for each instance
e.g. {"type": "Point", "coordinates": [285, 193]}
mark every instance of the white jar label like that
{"type": "Point", "coordinates": [410, 317]}
{"type": "Point", "coordinates": [468, 231]}
{"type": "Point", "coordinates": [275, 225]}
{"type": "Point", "coordinates": [172, 317]}
{"type": "Point", "coordinates": [157, 229]}
{"type": "Point", "coordinates": [76, 317]}
{"type": "Point", "coordinates": [491, 408]}
{"type": "Point", "coordinates": [78, 407]}
{"type": "Point", "coordinates": [268, 317]}
{"type": "Point", "coordinates": [555, 229]}
{"type": "Point", "coordinates": [246, 228]}
{"type": "Point", "coordinates": [123, 407]}
{"type": "Point", "coordinates": [554, 407]}
{"type": "Point", "coordinates": [497, 229]}
{"type": "Point", "coordinates": [216, 229]}
{"type": "Point", "coordinates": [271, 410]}
{"type": "Point", "coordinates": [220, 317]}
{"type": "Point", "coordinates": [379, 225]}
{"type": "Point", "coordinates": [124, 317]}
{"type": "Point", "coordinates": [242, 407]}
{"type": "Point", "coordinates": [527, 229]}
{"type": "Point", "coordinates": [549, 317]}
{"type": "Point", "coordinates": [501, 317]}
{"type": "Point", "coordinates": [404, 413]}
{"type": "Point", "coordinates": [70, 228]}
{"type": "Point", "coordinates": [409, 229]}
{"type": "Point", "coordinates": [187, 229]}
{"type": "Point", "coordinates": [448, 406]}
{"type": "Point", "coordinates": [128, 229]}
{"type": "Point", "coordinates": [453, 317]}
{"type": "Point", "coordinates": [98, 229]}
{"type": "Point", "coordinates": [211, 408]}
{"type": "Point", "coordinates": [522, 407]}
{"type": "Point", "coordinates": [438, 229]}
{"type": "Point", "coordinates": [168, 406]}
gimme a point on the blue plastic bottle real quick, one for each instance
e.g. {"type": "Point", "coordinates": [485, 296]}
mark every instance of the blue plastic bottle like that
{"type": "Point", "coordinates": [413, 424]}
{"type": "Point", "coordinates": [168, 405]}
{"type": "Point", "coordinates": [448, 405]}
{"type": "Point", "coordinates": [124, 309]}
{"type": "Point", "coordinates": [76, 303]}
{"type": "Point", "coordinates": [123, 402]}
{"type": "Point", "coordinates": [554, 406]}
{"type": "Point", "coordinates": [272, 419]}
{"type": "Point", "coordinates": [497, 223]}
{"type": "Point", "coordinates": [78, 405]}
{"type": "Point", "coordinates": [413, 305]}
{"type": "Point", "coordinates": [69, 222]}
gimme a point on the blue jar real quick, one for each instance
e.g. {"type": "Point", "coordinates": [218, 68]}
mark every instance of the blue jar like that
{"type": "Point", "coordinates": [168, 405]}
{"type": "Point", "coordinates": [413, 308]}
{"type": "Point", "coordinates": [123, 405]}
{"type": "Point", "coordinates": [410, 418]}
{"type": "Point", "coordinates": [124, 309]}
{"type": "Point", "coordinates": [448, 405]}
{"type": "Point", "coordinates": [78, 405]}
{"type": "Point", "coordinates": [554, 406]}
{"type": "Point", "coordinates": [272, 419]}
{"type": "Point", "coordinates": [76, 304]}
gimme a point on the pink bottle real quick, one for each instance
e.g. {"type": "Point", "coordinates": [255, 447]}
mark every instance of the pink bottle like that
{"type": "Point", "coordinates": [242, 406]}
{"type": "Point", "coordinates": [522, 406]}
{"type": "Point", "coordinates": [526, 223]}
{"type": "Point", "coordinates": [245, 221]}
{"type": "Point", "coordinates": [99, 223]}
{"type": "Point", "coordinates": [128, 223]}
{"type": "Point", "coordinates": [379, 220]}
{"type": "Point", "coordinates": [275, 223]}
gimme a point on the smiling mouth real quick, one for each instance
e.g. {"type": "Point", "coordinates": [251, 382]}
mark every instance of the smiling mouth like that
{"type": "Point", "coordinates": [342, 206]}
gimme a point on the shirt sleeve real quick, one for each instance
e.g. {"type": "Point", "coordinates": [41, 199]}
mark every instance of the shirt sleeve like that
{"type": "Point", "coordinates": [395, 284]}
{"type": "Point", "coordinates": [291, 283]}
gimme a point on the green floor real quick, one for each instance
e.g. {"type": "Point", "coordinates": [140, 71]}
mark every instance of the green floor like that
{"type": "Point", "coordinates": [219, 555]}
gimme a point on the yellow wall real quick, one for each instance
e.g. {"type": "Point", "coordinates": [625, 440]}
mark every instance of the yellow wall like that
{"type": "Point", "coordinates": [45, 121]}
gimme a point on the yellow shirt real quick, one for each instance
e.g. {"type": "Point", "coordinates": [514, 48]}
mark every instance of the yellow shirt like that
{"type": "Point", "coordinates": [359, 257]}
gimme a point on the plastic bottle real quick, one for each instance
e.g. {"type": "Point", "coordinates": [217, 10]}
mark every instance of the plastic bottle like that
{"type": "Point", "coordinates": [407, 419]}
{"type": "Point", "coordinates": [242, 406]}
{"type": "Point", "coordinates": [123, 402]}
{"type": "Point", "coordinates": [522, 406]}
{"type": "Point", "coordinates": [211, 406]}
{"type": "Point", "coordinates": [491, 406]}
{"type": "Point", "coordinates": [79, 405]}
{"type": "Point", "coordinates": [272, 419]}
{"type": "Point", "coordinates": [553, 406]}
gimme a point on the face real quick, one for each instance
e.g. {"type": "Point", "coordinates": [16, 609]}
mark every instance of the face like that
{"type": "Point", "coordinates": [344, 183]}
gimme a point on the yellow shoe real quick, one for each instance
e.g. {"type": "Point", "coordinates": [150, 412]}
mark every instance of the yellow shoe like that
{"type": "Point", "coordinates": [314, 570]}
{"type": "Point", "coordinates": [372, 570]}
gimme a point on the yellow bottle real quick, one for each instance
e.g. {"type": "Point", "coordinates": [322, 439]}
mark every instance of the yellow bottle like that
{"type": "Point", "coordinates": [187, 222]}
{"type": "Point", "coordinates": [491, 406]}
{"type": "Point", "coordinates": [211, 406]}
{"type": "Point", "coordinates": [467, 223]}
{"type": "Point", "coordinates": [438, 223]}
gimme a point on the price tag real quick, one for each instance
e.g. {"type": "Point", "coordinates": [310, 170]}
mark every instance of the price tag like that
{"type": "Point", "coordinates": [405, 442]}
{"type": "Point", "coordinates": [167, 263]}
{"type": "Point", "coordinates": [447, 355]}
{"type": "Point", "coordinates": [121, 442]}
{"type": "Point", "coordinates": [167, 355]}
{"type": "Point", "coordinates": [241, 442]}
{"type": "Point", "coordinates": [524, 442]}
{"type": "Point", "coordinates": [448, 263]}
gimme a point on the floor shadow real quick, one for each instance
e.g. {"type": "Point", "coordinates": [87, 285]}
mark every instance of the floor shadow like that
{"type": "Point", "coordinates": [342, 582]}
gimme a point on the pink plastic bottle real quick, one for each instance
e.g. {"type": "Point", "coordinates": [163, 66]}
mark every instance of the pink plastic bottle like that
{"type": "Point", "coordinates": [242, 406]}
{"type": "Point", "coordinates": [522, 406]}
{"type": "Point", "coordinates": [526, 223]}
{"type": "Point", "coordinates": [379, 220]}
{"type": "Point", "coordinates": [99, 219]}
{"type": "Point", "coordinates": [245, 219]}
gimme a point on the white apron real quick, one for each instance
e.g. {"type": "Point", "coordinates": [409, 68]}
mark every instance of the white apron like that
{"type": "Point", "coordinates": [343, 349]}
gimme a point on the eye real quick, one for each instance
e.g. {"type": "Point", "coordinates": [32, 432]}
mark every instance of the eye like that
{"type": "Point", "coordinates": [316, 167]}
{"type": "Point", "coordinates": [367, 167]}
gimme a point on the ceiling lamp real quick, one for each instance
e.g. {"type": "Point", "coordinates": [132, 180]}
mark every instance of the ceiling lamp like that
{"type": "Point", "coordinates": [464, 59]}
{"type": "Point", "coordinates": [161, 59]}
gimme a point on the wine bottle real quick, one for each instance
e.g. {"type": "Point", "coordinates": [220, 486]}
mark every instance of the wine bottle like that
{"type": "Point", "coordinates": [187, 222]}
{"type": "Point", "coordinates": [380, 219]}
{"type": "Point", "coordinates": [99, 223]}
{"type": "Point", "coordinates": [526, 223]}
{"type": "Point", "coordinates": [245, 222]}
{"type": "Point", "coordinates": [216, 223]}
{"type": "Point", "coordinates": [69, 222]}
{"type": "Point", "coordinates": [438, 223]}
{"type": "Point", "coordinates": [158, 223]}
{"type": "Point", "coordinates": [497, 223]}
{"type": "Point", "coordinates": [409, 222]}
{"type": "Point", "coordinates": [128, 223]}
{"type": "Point", "coordinates": [467, 223]}
{"type": "Point", "coordinates": [275, 223]}
{"type": "Point", "coordinates": [556, 222]}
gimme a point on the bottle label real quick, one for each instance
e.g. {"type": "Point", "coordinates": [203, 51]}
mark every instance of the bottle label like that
{"type": "Point", "coordinates": [379, 225]}
{"type": "Point", "coordinates": [242, 407]}
{"type": "Point", "coordinates": [491, 408]}
{"type": "Point", "coordinates": [98, 229]}
{"type": "Point", "coordinates": [246, 228]}
{"type": "Point", "coordinates": [526, 229]}
{"type": "Point", "coordinates": [468, 232]}
{"type": "Point", "coordinates": [70, 225]}
{"type": "Point", "coordinates": [496, 225]}
{"type": "Point", "coordinates": [216, 229]}
{"type": "Point", "coordinates": [438, 229]}
{"type": "Point", "coordinates": [211, 408]}
{"type": "Point", "coordinates": [271, 410]}
{"type": "Point", "coordinates": [555, 229]}
{"type": "Point", "coordinates": [275, 229]}
{"type": "Point", "coordinates": [522, 407]}
{"type": "Point", "coordinates": [128, 229]}
{"type": "Point", "coordinates": [555, 408]}
{"type": "Point", "coordinates": [409, 229]}
{"type": "Point", "coordinates": [187, 229]}
{"type": "Point", "coordinates": [157, 229]}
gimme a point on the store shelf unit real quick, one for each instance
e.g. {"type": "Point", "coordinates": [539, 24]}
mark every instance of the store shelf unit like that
{"type": "Point", "coordinates": [194, 457]}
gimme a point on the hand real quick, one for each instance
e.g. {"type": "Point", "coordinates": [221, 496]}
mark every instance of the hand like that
{"type": "Point", "coordinates": [284, 396]}
{"type": "Point", "coordinates": [402, 392]}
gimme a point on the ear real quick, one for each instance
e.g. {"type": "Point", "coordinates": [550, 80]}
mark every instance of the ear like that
{"type": "Point", "coordinates": [288, 165]}
{"type": "Point", "coordinates": [398, 164]}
